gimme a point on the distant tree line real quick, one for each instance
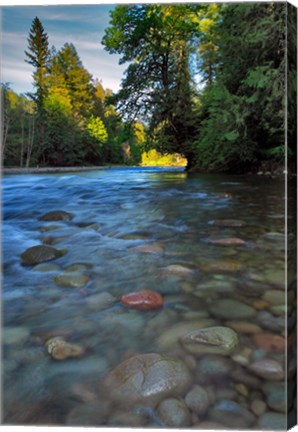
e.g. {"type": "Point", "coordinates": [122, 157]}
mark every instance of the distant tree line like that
{"type": "Point", "coordinates": [66, 120]}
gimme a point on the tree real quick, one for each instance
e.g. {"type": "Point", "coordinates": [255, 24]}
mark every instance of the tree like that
{"type": "Point", "coordinates": [157, 41]}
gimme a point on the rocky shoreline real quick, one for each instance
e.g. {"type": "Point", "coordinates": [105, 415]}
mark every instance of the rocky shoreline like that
{"type": "Point", "coordinates": [49, 170]}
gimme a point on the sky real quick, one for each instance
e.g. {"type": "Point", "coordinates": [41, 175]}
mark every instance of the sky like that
{"type": "Point", "coordinates": [82, 25]}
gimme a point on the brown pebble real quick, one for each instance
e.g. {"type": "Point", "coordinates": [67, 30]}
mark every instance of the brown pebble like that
{"type": "Point", "coordinates": [258, 407]}
{"type": "Point", "coordinates": [243, 327]}
{"type": "Point", "coordinates": [269, 342]}
{"type": "Point", "coordinates": [260, 304]}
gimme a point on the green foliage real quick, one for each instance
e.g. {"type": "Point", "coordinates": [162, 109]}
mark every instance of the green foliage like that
{"type": "Point", "coordinates": [154, 158]}
{"type": "Point", "coordinates": [97, 130]}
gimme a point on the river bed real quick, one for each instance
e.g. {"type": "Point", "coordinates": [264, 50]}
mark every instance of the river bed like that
{"type": "Point", "coordinates": [213, 246]}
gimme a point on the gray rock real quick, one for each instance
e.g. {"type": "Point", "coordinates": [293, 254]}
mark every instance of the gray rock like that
{"type": "Point", "coordinates": [268, 369]}
{"type": "Point", "coordinates": [15, 335]}
{"type": "Point", "coordinates": [39, 254]}
{"type": "Point", "coordinates": [232, 309]}
{"type": "Point", "coordinates": [71, 280]}
{"type": "Point", "coordinates": [46, 268]}
{"type": "Point", "coordinates": [270, 322]}
{"type": "Point", "coordinates": [57, 215]}
{"type": "Point", "coordinates": [213, 369]}
{"type": "Point", "coordinates": [232, 415]}
{"type": "Point", "coordinates": [100, 301]}
{"type": "Point", "coordinates": [275, 297]}
{"type": "Point", "coordinates": [147, 379]}
{"type": "Point", "coordinates": [174, 413]}
{"type": "Point", "coordinates": [88, 414]}
{"type": "Point", "coordinates": [212, 340]}
{"type": "Point", "coordinates": [197, 400]}
{"type": "Point", "coordinates": [276, 395]}
{"type": "Point", "coordinates": [272, 421]}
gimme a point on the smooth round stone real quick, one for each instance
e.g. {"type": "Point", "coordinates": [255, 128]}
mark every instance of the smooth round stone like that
{"type": "Point", "coordinates": [57, 215]}
{"type": "Point", "coordinates": [47, 228]}
{"type": "Point", "coordinates": [170, 338]}
{"type": "Point", "coordinates": [15, 335]}
{"type": "Point", "coordinates": [71, 280]}
{"type": "Point", "coordinates": [39, 254]}
{"type": "Point", "coordinates": [46, 268]}
{"type": "Point", "coordinates": [213, 369]}
{"type": "Point", "coordinates": [260, 304]}
{"type": "Point", "coordinates": [177, 270]}
{"type": "Point", "coordinates": [212, 340]}
{"type": "Point", "coordinates": [269, 342]}
{"type": "Point", "coordinates": [143, 300]}
{"type": "Point", "coordinates": [88, 414]}
{"type": "Point", "coordinates": [279, 310]}
{"type": "Point", "coordinates": [232, 415]}
{"type": "Point", "coordinates": [126, 418]}
{"type": "Point", "coordinates": [197, 400]}
{"type": "Point", "coordinates": [232, 309]}
{"type": "Point", "coordinates": [208, 425]}
{"type": "Point", "coordinates": [59, 349]}
{"type": "Point", "coordinates": [275, 278]}
{"type": "Point", "coordinates": [174, 413]}
{"type": "Point", "coordinates": [147, 379]}
{"type": "Point", "coordinates": [229, 223]}
{"type": "Point", "coordinates": [214, 285]}
{"type": "Point", "coordinates": [275, 297]}
{"type": "Point", "coordinates": [272, 421]}
{"type": "Point", "coordinates": [244, 327]}
{"type": "Point", "coordinates": [276, 395]}
{"type": "Point", "coordinates": [223, 266]}
{"type": "Point", "coordinates": [77, 267]}
{"type": "Point", "coordinates": [270, 322]}
{"type": "Point", "coordinates": [229, 241]}
{"type": "Point", "coordinates": [243, 356]}
{"type": "Point", "coordinates": [100, 301]}
{"type": "Point", "coordinates": [153, 248]}
{"type": "Point", "coordinates": [258, 407]}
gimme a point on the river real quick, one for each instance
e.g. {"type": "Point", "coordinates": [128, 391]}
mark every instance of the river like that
{"type": "Point", "coordinates": [212, 245]}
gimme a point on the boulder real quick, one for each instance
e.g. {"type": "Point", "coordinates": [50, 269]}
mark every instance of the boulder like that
{"type": "Point", "coordinates": [147, 379]}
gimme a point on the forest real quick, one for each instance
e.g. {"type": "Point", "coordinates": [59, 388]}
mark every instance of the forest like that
{"type": "Point", "coordinates": [206, 85]}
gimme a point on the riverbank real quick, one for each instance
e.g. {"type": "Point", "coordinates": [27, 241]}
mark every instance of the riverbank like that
{"type": "Point", "coordinates": [48, 170]}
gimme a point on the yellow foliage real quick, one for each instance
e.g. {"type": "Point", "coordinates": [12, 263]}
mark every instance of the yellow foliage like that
{"type": "Point", "coordinates": [154, 158]}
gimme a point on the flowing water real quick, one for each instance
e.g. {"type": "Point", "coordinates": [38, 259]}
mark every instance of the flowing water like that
{"type": "Point", "coordinates": [135, 229]}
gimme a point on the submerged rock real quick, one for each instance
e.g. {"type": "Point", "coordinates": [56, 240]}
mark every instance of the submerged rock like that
{"type": "Point", "coordinates": [223, 266]}
{"type": "Point", "coordinates": [71, 280]}
{"type": "Point", "coordinates": [197, 400]}
{"type": "Point", "coordinates": [230, 223]}
{"type": "Point", "coordinates": [177, 270]}
{"type": "Point", "coordinates": [212, 340]}
{"type": "Point", "coordinates": [153, 248]}
{"type": "Point", "coordinates": [143, 300]}
{"type": "Point", "coordinates": [272, 421]}
{"type": "Point", "coordinates": [232, 309]}
{"type": "Point", "coordinates": [39, 254]}
{"type": "Point", "coordinates": [268, 369]}
{"type": "Point", "coordinates": [59, 349]}
{"type": "Point", "coordinates": [174, 413]}
{"type": "Point", "coordinates": [232, 415]}
{"type": "Point", "coordinates": [57, 215]}
{"type": "Point", "coordinates": [269, 342]}
{"type": "Point", "coordinates": [15, 335]}
{"type": "Point", "coordinates": [229, 241]}
{"type": "Point", "coordinates": [147, 379]}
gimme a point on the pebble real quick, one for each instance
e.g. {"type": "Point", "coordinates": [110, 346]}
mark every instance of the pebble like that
{"type": "Point", "coordinates": [260, 304]}
{"type": "Point", "coordinates": [243, 356]}
{"type": "Point", "coordinates": [258, 407]}
{"type": "Point", "coordinates": [230, 223]}
{"type": "Point", "coordinates": [59, 349]}
{"type": "Point", "coordinates": [100, 301]}
{"type": "Point", "coordinates": [39, 254]}
{"type": "Point", "coordinates": [276, 395]}
{"type": "Point", "coordinates": [270, 322]}
{"type": "Point", "coordinates": [230, 241]}
{"type": "Point", "coordinates": [174, 413]}
{"type": "Point", "coordinates": [242, 389]}
{"type": "Point", "coordinates": [232, 415]}
{"type": "Point", "coordinates": [197, 400]}
{"type": "Point", "coordinates": [78, 267]}
{"type": "Point", "coordinates": [153, 248]}
{"type": "Point", "coordinates": [232, 309]}
{"type": "Point", "coordinates": [269, 342]}
{"type": "Point", "coordinates": [57, 215]}
{"type": "Point", "coordinates": [213, 369]}
{"type": "Point", "coordinates": [71, 280]}
{"type": "Point", "coordinates": [208, 425]}
{"type": "Point", "coordinates": [143, 300]}
{"type": "Point", "coordinates": [15, 335]}
{"type": "Point", "coordinates": [46, 268]}
{"type": "Point", "coordinates": [244, 327]}
{"type": "Point", "coordinates": [177, 270]}
{"type": "Point", "coordinates": [211, 340]}
{"type": "Point", "coordinates": [272, 421]}
{"type": "Point", "coordinates": [146, 379]}
{"type": "Point", "coordinates": [170, 337]}
{"type": "Point", "coordinates": [274, 297]}
{"type": "Point", "coordinates": [268, 369]}
{"type": "Point", "coordinates": [223, 266]}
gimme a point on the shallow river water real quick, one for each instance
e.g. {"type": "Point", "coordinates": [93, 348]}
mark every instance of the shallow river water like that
{"type": "Point", "coordinates": [213, 246]}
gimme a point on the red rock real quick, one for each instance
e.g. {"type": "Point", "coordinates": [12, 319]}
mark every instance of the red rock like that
{"type": "Point", "coordinates": [269, 342]}
{"type": "Point", "coordinates": [143, 300]}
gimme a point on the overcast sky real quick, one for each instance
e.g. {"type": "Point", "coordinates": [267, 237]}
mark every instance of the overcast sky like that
{"type": "Point", "coordinates": [81, 25]}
